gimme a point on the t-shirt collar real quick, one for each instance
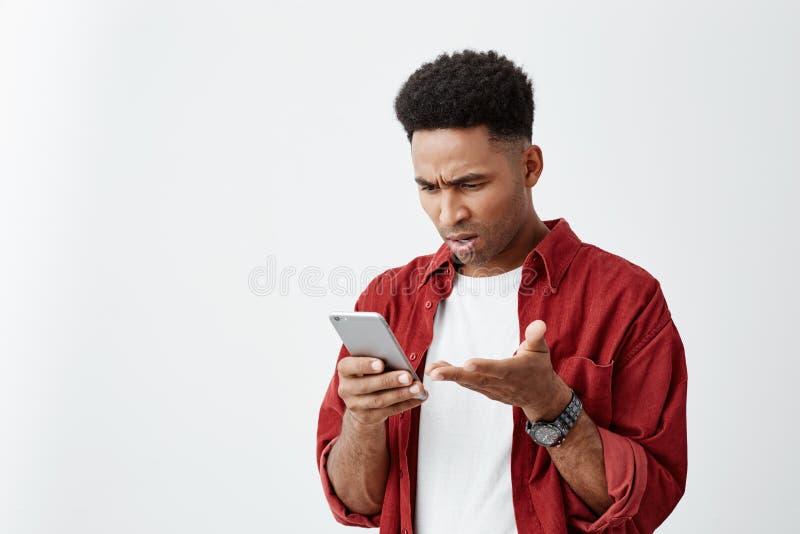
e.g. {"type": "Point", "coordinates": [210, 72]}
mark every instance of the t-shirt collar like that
{"type": "Point", "coordinates": [556, 250]}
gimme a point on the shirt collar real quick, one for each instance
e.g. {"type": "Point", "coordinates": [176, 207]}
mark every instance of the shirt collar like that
{"type": "Point", "coordinates": [556, 251]}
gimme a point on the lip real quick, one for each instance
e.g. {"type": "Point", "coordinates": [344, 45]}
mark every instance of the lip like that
{"type": "Point", "coordinates": [462, 248]}
{"type": "Point", "coordinates": [460, 236]}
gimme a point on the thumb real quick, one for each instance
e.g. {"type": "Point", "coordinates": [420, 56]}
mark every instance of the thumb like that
{"type": "Point", "coordinates": [534, 337]}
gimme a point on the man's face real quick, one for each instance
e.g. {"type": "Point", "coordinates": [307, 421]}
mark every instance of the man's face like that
{"type": "Point", "coordinates": [471, 187]}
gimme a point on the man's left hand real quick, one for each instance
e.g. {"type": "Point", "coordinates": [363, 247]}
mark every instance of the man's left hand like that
{"type": "Point", "coordinates": [527, 379]}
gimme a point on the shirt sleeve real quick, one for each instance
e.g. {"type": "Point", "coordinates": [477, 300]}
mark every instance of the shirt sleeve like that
{"type": "Point", "coordinates": [328, 429]}
{"type": "Point", "coordinates": [644, 447]}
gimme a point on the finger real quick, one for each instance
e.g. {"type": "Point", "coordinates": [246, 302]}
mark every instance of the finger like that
{"type": "Point", "coordinates": [385, 399]}
{"type": "Point", "coordinates": [485, 385]}
{"type": "Point", "coordinates": [372, 383]}
{"type": "Point", "coordinates": [497, 368]}
{"type": "Point", "coordinates": [403, 406]}
{"type": "Point", "coordinates": [435, 365]}
{"type": "Point", "coordinates": [463, 377]}
{"type": "Point", "coordinates": [359, 365]}
{"type": "Point", "coordinates": [534, 338]}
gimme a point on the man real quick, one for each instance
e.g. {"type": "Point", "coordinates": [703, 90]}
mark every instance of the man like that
{"type": "Point", "coordinates": [557, 404]}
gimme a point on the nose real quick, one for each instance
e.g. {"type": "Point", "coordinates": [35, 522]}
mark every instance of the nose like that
{"type": "Point", "coordinates": [452, 211]}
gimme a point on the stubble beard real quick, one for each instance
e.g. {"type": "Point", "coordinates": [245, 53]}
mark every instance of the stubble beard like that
{"type": "Point", "coordinates": [496, 238]}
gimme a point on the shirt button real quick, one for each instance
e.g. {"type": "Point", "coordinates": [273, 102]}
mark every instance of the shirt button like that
{"type": "Point", "coordinates": [428, 304]}
{"type": "Point", "coordinates": [412, 356]}
{"type": "Point", "coordinates": [405, 531]}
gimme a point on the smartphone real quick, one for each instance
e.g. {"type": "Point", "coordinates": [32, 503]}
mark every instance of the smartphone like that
{"type": "Point", "coordinates": [368, 334]}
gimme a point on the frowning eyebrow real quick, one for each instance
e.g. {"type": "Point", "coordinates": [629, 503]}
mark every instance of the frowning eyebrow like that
{"type": "Point", "coordinates": [467, 178]}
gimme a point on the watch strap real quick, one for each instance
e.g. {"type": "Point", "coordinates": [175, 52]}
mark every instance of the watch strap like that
{"type": "Point", "coordinates": [564, 422]}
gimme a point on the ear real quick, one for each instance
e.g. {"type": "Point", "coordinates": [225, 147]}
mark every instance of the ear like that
{"type": "Point", "coordinates": [533, 165]}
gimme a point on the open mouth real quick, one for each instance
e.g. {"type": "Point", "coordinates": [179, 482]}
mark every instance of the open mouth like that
{"type": "Point", "coordinates": [463, 245]}
{"type": "Point", "coordinates": [463, 238]}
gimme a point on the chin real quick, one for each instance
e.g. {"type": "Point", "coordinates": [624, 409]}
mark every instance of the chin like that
{"type": "Point", "coordinates": [472, 261]}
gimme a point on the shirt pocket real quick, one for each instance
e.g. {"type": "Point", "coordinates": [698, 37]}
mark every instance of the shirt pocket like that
{"type": "Point", "coordinates": [591, 381]}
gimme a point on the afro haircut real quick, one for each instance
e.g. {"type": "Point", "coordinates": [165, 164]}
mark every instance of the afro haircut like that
{"type": "Point", "coordinates": [465, 89]}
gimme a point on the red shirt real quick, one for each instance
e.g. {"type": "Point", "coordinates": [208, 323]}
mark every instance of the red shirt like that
{"type": "Point", "coordinates": [611, 338]}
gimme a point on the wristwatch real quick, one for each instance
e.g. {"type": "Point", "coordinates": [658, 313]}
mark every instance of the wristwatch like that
{"type": "Point", "coordinates": [552, 433]}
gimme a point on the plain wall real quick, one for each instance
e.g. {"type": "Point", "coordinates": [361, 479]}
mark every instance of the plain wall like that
{"type": "Point", "coordinates": [159, 159]}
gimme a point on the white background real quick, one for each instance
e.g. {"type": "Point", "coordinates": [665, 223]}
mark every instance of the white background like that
{"type": "Point", "coordinates": [154, 155]}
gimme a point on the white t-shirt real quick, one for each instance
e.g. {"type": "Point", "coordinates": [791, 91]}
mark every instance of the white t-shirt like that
{"type": "Point", "coordinates": [464, 461]}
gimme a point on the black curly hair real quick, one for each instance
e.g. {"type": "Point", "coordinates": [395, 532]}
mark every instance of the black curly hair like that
{"type": "Point", "coordinates": [468, 88]}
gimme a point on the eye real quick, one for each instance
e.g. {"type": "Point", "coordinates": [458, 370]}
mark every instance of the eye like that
{"type": "Point", "coordinates": [471, 186]}
{"type": "Point", "coordinates": [427, 188]}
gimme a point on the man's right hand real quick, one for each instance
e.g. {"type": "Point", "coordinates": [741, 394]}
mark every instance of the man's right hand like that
{"type": "Point", "coordinates": [371, 395]}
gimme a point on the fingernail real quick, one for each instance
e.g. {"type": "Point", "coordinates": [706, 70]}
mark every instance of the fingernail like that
{"type": "Point", "coordinates": [436, 376]}
{"type": "Point", "coordinates": [376, 365]}
{"type": "Point", "coordinates": [469, 366]}
{"type": "Point", "coordinates": [414, 388]}
{"type": "Point", "coordinates": [404, 379]}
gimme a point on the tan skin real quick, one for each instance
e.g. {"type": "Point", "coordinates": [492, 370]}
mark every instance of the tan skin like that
{"type": "Point", "coordinates": [491, 197]}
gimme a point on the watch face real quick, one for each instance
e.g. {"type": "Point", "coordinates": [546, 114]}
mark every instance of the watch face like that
{"type": "Point", "coordinates": [546, 435]}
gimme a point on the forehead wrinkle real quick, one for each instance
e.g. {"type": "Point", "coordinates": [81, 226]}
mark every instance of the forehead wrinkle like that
{"type": "Point", "coordinates": [455, 170]}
